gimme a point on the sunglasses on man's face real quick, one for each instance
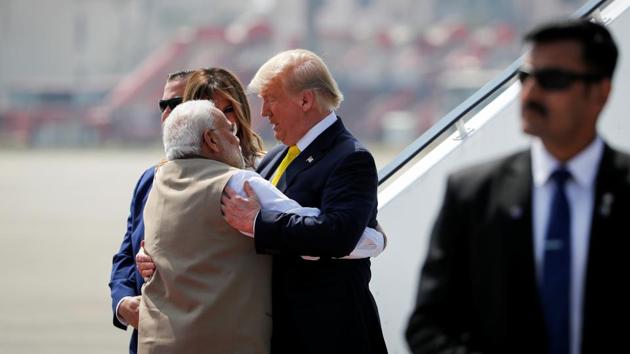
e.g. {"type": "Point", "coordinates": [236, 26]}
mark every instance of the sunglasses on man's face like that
{"type": "Point", "coordinates": [556, 79]}
{"type": "Point", "coordinates": [170, 103]}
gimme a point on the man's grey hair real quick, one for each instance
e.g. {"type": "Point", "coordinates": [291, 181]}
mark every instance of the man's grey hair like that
{"type": "Point", "coordinates": [182, 133]}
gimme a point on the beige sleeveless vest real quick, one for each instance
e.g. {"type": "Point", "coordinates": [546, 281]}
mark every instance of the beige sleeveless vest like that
{"type": "Point", "coordinates": [211, 292]}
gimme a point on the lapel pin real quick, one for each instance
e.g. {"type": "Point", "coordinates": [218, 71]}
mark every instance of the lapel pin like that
{"type": "Point", "coordinates": [607, 200]}
{"type": "Point", "coordinates": [516, 212]}
{"type": "Point", "coordinates": [310, 159]}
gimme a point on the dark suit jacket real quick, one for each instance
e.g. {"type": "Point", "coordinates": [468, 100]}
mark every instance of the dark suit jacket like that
{"type": "Point", "coordinates": [478, 288]}
{"type": "Point", "coordinates": [323, 306]}
{"type": "Point", "coordinates": [125, 279]}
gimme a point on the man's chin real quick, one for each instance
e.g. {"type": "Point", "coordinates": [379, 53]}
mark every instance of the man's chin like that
{"type": "Point", "coordinates": [238, 164]}
{"type": "Point", "coordinates": [281, 137]}
{"type": "Point", "coordinates": [530, 127]}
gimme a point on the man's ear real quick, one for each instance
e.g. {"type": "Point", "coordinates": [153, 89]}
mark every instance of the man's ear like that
{"type": "Point", "coordinates": [307, 100]}
{"type": "Point", "coordinates": [210, 140]}
{"type": "Point", "coordinates": [598, 94]}
{"type": "Point", "coordinates": [604, 91]}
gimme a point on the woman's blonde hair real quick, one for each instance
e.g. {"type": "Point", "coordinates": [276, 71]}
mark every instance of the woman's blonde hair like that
{"type": "Point", "coordinates": [206, 83]}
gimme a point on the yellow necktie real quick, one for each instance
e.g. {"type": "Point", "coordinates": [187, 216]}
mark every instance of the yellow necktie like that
{"type": "Point", "coordinates": [290, 156]}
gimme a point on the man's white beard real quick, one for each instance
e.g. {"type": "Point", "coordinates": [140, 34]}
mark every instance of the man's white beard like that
{"type": "Point", "coordinates": [234, 157]}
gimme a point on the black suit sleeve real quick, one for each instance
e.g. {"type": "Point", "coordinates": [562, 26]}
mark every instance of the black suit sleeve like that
{"type": "Point", "coordinates": [438, 323]}
{"type": "Point", "coordinates": [123, 278]}
{"type": "Point", "coordinates": [348, 203]}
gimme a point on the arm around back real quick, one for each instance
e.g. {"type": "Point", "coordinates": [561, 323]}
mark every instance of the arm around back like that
{"type": "Point", "coordinates": [125, 281]}
{"type": "Point", "coordinates": [347, 199]}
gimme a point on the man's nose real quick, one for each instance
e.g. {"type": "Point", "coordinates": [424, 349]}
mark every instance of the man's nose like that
{"type": "Point", "coordinates": [529, 89]}
{"type": "Point", "coordinates": [264, 110]}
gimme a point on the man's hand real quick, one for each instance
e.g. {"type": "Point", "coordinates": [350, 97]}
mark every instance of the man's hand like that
{"type": "Point", "coordinates": [240, 212]}
{"type": "Point", "coordinates": [129, 310]}
{"type": "Point", "coordinates": [144, 263]}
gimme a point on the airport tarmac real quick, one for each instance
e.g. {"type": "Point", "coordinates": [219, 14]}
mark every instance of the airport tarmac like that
{"type": "Point", "coordinates": [62, 217]}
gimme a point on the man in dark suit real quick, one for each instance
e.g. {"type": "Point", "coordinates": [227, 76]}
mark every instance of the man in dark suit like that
{"type": "Point", "coordinates": [126, 282]}
{"type": "Point", "coordinates": [529, 252]}
{"type": "Point", "coordinates": [323, 306]}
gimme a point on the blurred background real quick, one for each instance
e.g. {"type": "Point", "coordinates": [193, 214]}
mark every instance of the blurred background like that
{"type": "Point", "coordinates": [79, 120]}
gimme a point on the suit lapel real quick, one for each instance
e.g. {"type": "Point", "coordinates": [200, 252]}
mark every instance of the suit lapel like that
{"type": "Point", "coordinates": [604, 203]}
{"type": "Point", "coordinates": [607, 245]}
{"type": "Point", "coordinates": [313, 153]}
{"type": "Point", "coordinates": [519, 276]}
{"type": "Point", "coordinates": [268, 170]}
{"type": "Point", "coordinates": [516, 205]}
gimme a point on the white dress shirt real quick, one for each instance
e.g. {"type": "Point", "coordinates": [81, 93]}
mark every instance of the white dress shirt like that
{"type": "Point", "coordinates": [316, 130]}
{"type": "Point", "coordinates": [580, 191]}
{"type": "Point", "coordinates": [371, 243]}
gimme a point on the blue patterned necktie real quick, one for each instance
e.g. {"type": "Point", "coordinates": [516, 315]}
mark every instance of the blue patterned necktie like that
{"type": "Point", "coordinates": [556, 284]}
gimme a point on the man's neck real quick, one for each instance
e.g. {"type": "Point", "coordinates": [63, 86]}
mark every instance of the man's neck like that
{"type": "Point", "coordinates": [566, 151]}
{"type": "Point", "coordinates": [322, 124]}
{"type": "Point", "coordinates": [314, 118]}
{"type": "Point", "coordinates": [191, 156]}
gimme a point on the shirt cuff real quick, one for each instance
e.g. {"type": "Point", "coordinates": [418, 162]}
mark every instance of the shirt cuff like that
{"type": "Point", "coordinates": [120, 319]}
{"type": "Point", "coordinates": [254, 224]}
{"type": "Point", "coordinates": [253, 227]}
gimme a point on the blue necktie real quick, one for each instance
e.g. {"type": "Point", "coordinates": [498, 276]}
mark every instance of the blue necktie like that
{"type": "Point", "coordinates": [556, 284]}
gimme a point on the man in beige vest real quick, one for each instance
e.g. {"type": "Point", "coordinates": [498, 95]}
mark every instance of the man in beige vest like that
{"type": "Point", "coordinates": [211, 291]}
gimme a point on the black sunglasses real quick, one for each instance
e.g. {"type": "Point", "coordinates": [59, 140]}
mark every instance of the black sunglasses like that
{"type": "Point", "coordinates": [556, 79]}
{"type": "Point", "coordinates": [170, 103]}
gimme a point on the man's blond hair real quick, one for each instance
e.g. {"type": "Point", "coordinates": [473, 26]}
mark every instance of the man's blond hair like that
{"type": "Point", "coordinates": [299, 70]}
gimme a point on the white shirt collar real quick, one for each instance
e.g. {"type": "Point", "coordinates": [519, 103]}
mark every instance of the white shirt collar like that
{"type": "Point", "coordinates": [583, 166]}
{"type": "Point", "coordinates": [316, 130]}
